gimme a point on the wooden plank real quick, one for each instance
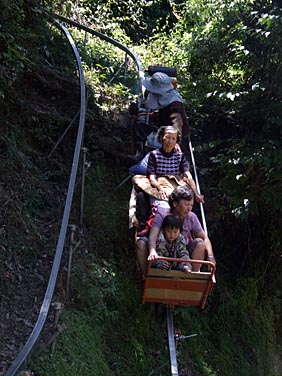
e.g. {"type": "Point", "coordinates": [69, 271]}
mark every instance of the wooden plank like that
{"type": "Point", "coordinates": [173, 302]}
{"type": "Point", "coordinates": [154, 272]}
{"type": "Point", "coordinates": [176, 284]}
{"type": "Point", "coordinates": [175, 298]}
{"type": "Point", "coordinates": [172, 294]}
{"type": "Point", "coordinates": [177, 292]}
{"type": "Point", "coordinates": [174, 287]}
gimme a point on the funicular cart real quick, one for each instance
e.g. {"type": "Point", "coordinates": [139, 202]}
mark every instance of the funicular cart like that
{"type": "Point", "coordinates": [175, 288]}
{"type": "Point", "coordinates": [171, 288]}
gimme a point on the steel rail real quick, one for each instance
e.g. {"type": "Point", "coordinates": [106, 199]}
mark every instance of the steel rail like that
{"type": "Point", "coordinates": [170, 324]}
{"type": "Point", "coordinates": [198, 186]}
{"type": "Point", "coordinates": [108, 39]}
{"type": "Point", "coordinates": [169, 315]}
{"type": "Point", "coordinates": [171, 342]}
{"type": "Point", "coordinates": [26, 350]}
{"type": "Point", "coordinates": [22, 356]}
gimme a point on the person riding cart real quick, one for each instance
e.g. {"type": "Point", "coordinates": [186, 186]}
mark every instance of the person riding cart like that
{"type": "Point", "coordinates": [162, 105]}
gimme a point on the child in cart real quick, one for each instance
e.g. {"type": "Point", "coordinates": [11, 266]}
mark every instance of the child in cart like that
{"type": "Point", "coordinates": [171, 243]}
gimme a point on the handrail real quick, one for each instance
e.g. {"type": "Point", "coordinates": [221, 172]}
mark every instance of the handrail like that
{"type": "Point", "coordinates": [60, 245]}
{"type": "Point", "coordinates": [108, 39]}
{"type": "Point", "coordinates": [198, 186]}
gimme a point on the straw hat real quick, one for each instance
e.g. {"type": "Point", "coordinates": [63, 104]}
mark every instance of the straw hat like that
{"type": "Point", "coordinates": [159, 83]}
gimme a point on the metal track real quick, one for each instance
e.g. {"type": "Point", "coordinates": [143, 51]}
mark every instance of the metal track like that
{"type": "Point", "coordinates": [25, 352]}
{"type": "Point", "coordinates": [198, 186]}
{"type": "Point", "coordinates": [171, 342]}
{"type": "Point", "coordinates": [22, 356]}
{"type": "Point", "coordinates": [34, 336]}
{"type": "Point", "coordinates": [107, 39]}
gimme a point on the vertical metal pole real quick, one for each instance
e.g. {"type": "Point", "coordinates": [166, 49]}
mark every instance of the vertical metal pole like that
{"type": "Point", "coordinates": [125, 66]}
{"type": "Point", "coordinates": [84, 151]}
{"type": "Point", "coordinates": [198, 186]}
{"type": "Point", "coordinates": [84, 41]}
{"type": "Point", "coordinates": [72, 228]}
{"type": "Point", "coordinates": [171, 342]}
{"type": "Point", "coordinates": [58, 310]}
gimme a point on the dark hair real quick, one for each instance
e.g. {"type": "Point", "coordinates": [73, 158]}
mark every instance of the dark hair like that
{"type": "Point", "coordinates": [180, 193]}
{"type": "Point", "coordinates": [162, 130]}
{"type": "Point", "coordinates": [172, 221]}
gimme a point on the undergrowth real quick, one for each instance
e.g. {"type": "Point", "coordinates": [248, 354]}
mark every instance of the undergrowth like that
{"type": "Point", "coordinates": [110, 333]}
{"type": "Point", "coordinates": [235, 333]}
{"type": "Point", "coordinates": [105, 302]}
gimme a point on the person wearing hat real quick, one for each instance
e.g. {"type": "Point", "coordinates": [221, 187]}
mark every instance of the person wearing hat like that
{"type": "Point", "coordinates": [161, 94]}
{"type": "Point", "coordinates": [161, 91]}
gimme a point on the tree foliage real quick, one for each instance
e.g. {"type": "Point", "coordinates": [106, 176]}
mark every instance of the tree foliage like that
{"type": "Point", "coordinates": [228, 56]}
{"type": "Point", "coordinates": [22, 31]}
{"type": "Point", "coordinates": [229, 61]}
{"type": "Point", "coordinates": [137, 19]}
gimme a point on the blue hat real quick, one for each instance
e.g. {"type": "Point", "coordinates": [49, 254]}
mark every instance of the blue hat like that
{"type": "Point", "coordinates": [159, 83]}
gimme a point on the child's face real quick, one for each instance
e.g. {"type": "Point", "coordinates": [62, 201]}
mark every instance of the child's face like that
{"type": "Point", "coordinates": [171, 233]}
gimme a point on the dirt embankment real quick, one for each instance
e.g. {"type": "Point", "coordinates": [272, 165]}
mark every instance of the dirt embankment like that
{"type": "Point", "coordinates": [32, 194]}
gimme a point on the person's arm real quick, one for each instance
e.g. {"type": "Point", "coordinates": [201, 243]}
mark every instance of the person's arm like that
{"type": "Point", "coordinates": [161, 250]}
{"type": "Point", "coordinates": [156, 184]}
{"type": "Point", "coordinates": [208, 245]}
{"type": "Point", "coordinates": [154, 233]}
{"type": "Point", "coordinates": [183, 254]}
{"type": "Point", "coordinates": [191, 182]}
{"type": "Point", "coordinates": [151, 173]}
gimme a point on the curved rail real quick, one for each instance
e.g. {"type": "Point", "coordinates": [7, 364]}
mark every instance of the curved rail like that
{"type": "Point", "coordinates": [169, 315]}
{"type": "Point", "coordinates": [108, 39]}
{"type": "Point", "coordinates": [22, 356]}
{"type": "Point", "coordinates": [26, 350]}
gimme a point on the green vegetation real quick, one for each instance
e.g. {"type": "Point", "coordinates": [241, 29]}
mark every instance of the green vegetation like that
{"type": "Point", "coordinates": [228, 58]}
{"type": "Point", "coordinates": [107, 323]}
{"type": "Point", "coordinates": [82, 351]}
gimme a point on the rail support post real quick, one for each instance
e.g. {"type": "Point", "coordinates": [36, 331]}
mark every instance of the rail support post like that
{"type": "Point", "coordinates": [84, 151]}
{"type": "Point", "coordinates": [72, 242]}
{"type": "Point", "coordinates": [58, 306]}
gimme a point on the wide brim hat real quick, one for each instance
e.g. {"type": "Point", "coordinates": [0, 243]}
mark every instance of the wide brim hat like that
{"type": "Point", "coordinates": [159, 83]}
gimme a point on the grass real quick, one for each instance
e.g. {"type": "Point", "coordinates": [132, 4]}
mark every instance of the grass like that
{"type": "Point", "coordinates": [111, 333]}
{"type": "Point", "coordinates": [79, 350]}
{"type": "Point", "coordinates": [106, 316]}
{"type": "Point", "coordinates": [108, 331]}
